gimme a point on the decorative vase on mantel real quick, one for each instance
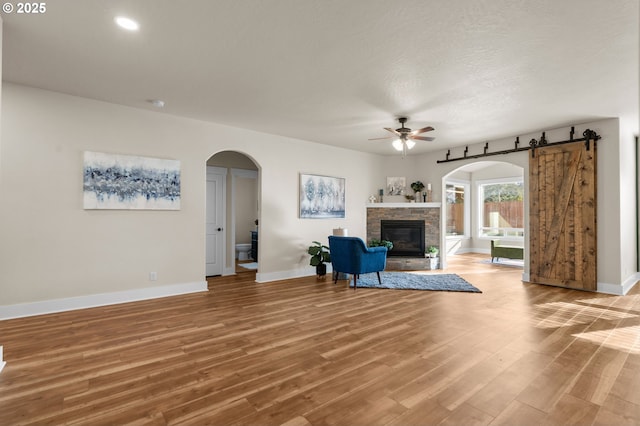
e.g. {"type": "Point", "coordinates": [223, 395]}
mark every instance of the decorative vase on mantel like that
{"type": "Point", "coordinates": [417, 187]}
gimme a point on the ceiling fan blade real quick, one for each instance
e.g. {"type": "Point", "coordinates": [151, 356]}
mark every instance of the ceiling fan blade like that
{"type": "Point", "coordinates": [377, 139]}
{"type": "Point", "coordinates": [424, 129]}
{"type": "Point", "coordinates": [422, 138]}
{"type": "Point", "coordinates": [392, 131]}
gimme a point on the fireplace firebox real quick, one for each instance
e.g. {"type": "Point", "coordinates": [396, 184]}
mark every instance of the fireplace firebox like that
{"type": "Point", "coordinates": [407, 237]}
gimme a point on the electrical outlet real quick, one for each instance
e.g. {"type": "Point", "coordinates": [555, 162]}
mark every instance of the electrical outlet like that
{"type": "Point", "coordinates": [153, 276]}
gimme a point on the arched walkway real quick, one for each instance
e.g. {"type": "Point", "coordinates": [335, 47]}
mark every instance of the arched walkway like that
{"type": "Point", "coordinates": [484, 200]}
{"type": "Point", "coordinates": [233, 211]}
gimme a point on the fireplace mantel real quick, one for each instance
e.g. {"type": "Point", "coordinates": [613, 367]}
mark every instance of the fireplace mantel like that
{"type": "Point", "coordinates": [402, 205]}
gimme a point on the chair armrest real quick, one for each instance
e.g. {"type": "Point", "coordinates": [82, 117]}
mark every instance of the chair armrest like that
{"type": "Point", "coordinates": [376, 249]}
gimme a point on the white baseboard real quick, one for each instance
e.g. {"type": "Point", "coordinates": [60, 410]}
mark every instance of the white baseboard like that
{"type": "Point", "coordinates": [102, 299]}
{"type": "Point", "coordinates": [608, 288]}
{"type": "Point", "coordinates": [630, 282]}
{"type": "Point", "coordinates": [286, 275]}
{"type": "Point", "coordinates": [471, 250]}
{"type": "Point", "coordinates": [265, 277]}
{"type": "Point", "coordinates": [2, 363]}
{"type": "Point", "coordinates": [619, 289]}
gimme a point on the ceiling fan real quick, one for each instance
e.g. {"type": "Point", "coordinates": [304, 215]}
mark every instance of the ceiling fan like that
{"type": "Point", "coordinates": [405, 137]}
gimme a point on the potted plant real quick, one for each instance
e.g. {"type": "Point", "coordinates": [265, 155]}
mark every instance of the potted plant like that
{"type": "Point", "coordinates": [381, 243]}
{"type": "Point", "coordinates": [417, 187]}
{"type": "Point", "coordinates": [432, 254]}
{"type": "Point", "coordinates": [320, 255]}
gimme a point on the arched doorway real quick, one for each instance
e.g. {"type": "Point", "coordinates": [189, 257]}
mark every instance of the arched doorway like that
{"type": "Point", "coordinates": [232, 212]}
{"type": "Point", "coordinates": [484, 201]}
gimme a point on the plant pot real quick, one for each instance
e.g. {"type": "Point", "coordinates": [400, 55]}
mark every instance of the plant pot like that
{"type": "Point", "coordinates": [321, 270]}
{"type": "Point", "coordinates": [433, 263]}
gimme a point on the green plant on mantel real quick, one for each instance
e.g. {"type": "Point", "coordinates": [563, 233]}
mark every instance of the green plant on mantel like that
{"type": "Point", "coordinates": [417, 186]}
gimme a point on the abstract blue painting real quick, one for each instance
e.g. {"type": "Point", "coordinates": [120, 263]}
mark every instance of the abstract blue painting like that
{"type": "Point", "coordinates": [321, 197]}
{"type": "Point", "coordinates": [119, 182]}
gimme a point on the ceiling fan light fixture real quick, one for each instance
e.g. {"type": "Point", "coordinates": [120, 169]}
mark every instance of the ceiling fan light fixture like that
{"type": "Point", "coordinates": [127, 23]}
{"type": "Point", "coordinates": [403, 139]}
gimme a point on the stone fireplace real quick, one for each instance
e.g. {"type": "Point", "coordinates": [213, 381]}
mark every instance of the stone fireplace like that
{"type": "Point", "coordinates": [428, 214]}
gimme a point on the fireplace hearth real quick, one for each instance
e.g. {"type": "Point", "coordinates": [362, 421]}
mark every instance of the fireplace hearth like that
{"type": "Point", "coordinates": [407, 237]}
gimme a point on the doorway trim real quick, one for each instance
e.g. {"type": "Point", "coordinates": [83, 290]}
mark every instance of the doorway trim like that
{"type": "Point", "coordinates": [222, 174]}
{"type": "Point", "coordinates": [238, 173]}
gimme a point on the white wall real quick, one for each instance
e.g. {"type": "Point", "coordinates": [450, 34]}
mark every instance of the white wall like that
{"type": "Point", "coordinates": [51, 248]}
{"type": "Point", "coordinates": [1, 32]}
{"type": "Point", "coordinates": [628, 228]}
{"type": "Point", "coordinates": [284, 237]}
{"type": "Point", "coordinates": [2, 363]}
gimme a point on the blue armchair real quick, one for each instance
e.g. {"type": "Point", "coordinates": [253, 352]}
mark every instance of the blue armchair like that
{"type": "Point", "coordinates": [350, 255]}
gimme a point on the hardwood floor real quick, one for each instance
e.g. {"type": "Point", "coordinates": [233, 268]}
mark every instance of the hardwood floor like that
{"type": "Point", "coordinates": [303, 351]}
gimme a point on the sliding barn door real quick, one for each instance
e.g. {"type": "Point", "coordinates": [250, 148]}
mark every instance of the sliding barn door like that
{"type": "Point", "coordinates": [562, 188]}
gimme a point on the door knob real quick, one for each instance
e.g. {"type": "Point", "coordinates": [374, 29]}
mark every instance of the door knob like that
{"type": "Point", "coordinates": [219, 229]}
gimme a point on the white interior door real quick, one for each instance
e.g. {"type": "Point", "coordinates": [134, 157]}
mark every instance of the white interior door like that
{"type": "Point", "coordinates": [216, 184]}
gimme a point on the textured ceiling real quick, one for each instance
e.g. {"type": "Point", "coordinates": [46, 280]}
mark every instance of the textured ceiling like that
{"type": "Point", "coordinates": [337, 72]}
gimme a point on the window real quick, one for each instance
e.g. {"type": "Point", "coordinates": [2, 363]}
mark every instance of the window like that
{"type": "Point", "coordinates": [458, 208]}
{"type": "Point", "coordinates": [501, 208]}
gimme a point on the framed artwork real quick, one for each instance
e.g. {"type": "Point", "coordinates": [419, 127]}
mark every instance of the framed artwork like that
{"type": "Point", "coordinates": [396, 185]}
{"type": "Point", "coordinates": [321, 197]}
{"type": "Point", "coordinates": [124, 182]}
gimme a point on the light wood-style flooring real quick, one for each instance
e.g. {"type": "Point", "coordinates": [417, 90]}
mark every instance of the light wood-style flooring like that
{"type": "Point", "coordinates": [304, 351]}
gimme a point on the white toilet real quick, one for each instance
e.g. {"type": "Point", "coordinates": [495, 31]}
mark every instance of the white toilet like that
{"type": "Point", "coordinates": [242, 251]}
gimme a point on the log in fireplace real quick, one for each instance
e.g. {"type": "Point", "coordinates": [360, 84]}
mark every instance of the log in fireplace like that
{"type": "Point", "coordinates": [407, 237]}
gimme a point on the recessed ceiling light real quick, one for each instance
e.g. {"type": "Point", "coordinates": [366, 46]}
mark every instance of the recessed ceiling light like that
{"type": "Point", "coordinates": [127, 23]}
{"type": "Point", "coordinates": [157, 103]}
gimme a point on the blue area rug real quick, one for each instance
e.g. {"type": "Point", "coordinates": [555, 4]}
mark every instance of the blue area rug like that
{"type": "Point", "coordinates": [407, 281]}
